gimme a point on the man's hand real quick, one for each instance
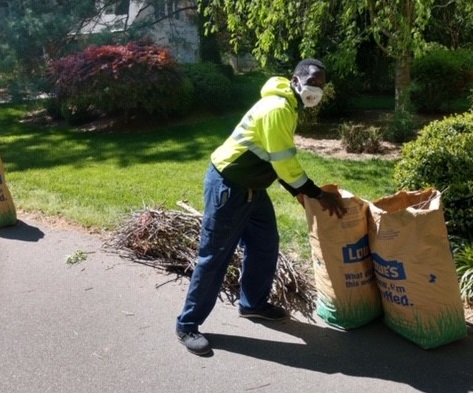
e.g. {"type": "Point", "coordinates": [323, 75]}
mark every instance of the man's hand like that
{"type": "Point", "coordinates": [332, 201]}
{"type": "Point", "coordinates": [300, 199]}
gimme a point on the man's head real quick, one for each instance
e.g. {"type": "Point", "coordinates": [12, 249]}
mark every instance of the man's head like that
{"type": "Point", "coordinates": [308, 81]}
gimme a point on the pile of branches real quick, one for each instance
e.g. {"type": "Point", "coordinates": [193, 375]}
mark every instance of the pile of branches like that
{"type": "Point", "coordinates": [169, 240]}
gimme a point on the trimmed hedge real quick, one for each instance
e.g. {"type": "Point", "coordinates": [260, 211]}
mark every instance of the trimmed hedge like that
{"type": "Point", "coordinates": [210, 85]}
{"type": "Point", "coordinates": [441, 157]}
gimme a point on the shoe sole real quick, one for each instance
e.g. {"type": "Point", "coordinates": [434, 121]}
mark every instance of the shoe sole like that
{"type": "Point", "coordinates": [194, 352]}
{"type": "Point", "coordinates": [259, 316]}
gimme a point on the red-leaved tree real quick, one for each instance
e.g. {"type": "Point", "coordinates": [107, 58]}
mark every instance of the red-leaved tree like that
{"type": "Point", "coordinates": [111, 79]}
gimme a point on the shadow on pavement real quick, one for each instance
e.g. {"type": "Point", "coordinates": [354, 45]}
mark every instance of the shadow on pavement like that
{"type": "Point", "coordinates": [372, 351]}
{"type": "Point", "coordinates": [22, 231]}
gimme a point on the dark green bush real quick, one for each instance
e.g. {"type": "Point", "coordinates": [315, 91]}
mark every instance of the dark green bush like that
{"type": "Point", "coordinates": [246, 89]}
{"type": "Point", "coordinates": [211, 88]}
{"type": "Point", "coordinates": [440, 77]}
{"type": "Point", "coordinates": [402, 126]}
{"type": "Point", "coordinates": [346, 91]}
{"type": "Point", "coordinates": [139, 76]}
{"type": "Point", "coordinates": [441, 157]}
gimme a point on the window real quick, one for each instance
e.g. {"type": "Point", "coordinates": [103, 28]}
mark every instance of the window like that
{"type": "Point", "coordinates": [172, 8]}
{"type": "Point", "coordinates": [163, 8]}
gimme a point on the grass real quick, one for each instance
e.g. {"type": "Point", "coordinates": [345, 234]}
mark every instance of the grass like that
{"type": "Point", "coordinates": [96, 178]}
{"type": "Point", "coordinates": [349, 312]}
{"type": "Point", "coordinates": [428, 327]}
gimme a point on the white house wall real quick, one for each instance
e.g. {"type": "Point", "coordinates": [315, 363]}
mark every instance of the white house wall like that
{"type": "Point", "coordinates": [180, 35]}
{"type": "Point", "coordinates": [134, 9]}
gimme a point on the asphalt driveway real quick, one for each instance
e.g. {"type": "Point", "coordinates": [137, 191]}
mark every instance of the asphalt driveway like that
{"type": "Point", "coordinates": [107, 325]}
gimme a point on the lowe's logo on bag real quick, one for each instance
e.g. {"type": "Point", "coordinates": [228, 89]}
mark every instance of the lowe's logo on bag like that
{"type": "Point", "coordinates": [356, 252]}
{"type": "Point", "coordinates": [393, 270]}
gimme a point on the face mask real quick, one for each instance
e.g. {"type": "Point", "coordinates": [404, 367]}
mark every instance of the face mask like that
{"type": "Point", "coordinates": [310, 95]}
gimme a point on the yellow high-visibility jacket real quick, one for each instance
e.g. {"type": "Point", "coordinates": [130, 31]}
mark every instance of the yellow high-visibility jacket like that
{"type": "Point", "coordinates": [261, 148]}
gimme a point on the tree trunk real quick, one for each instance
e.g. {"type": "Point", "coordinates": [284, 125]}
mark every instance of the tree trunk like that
{"type": "Point", "coordinates": [402, 81]}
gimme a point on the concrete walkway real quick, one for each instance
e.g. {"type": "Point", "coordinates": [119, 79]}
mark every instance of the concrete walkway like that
{"type": "Point", "coordinates": [107, 325]}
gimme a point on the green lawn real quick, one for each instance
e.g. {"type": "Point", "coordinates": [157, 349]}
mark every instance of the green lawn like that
{"type": "Point", "coordinates": [96, 178]}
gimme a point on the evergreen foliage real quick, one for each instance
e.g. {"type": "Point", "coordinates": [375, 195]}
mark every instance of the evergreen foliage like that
{"type": "Point", "coordinates": [440, 77]}
{"type": "Point", "coordinates": [441, 157]}
{"type": "Point", "coordinates": [211, 87]}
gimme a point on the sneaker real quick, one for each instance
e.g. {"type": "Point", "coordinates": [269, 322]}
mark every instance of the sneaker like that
{"type": "Point", "coordinates": [195, 342]}
{"type": "Point", "coordinates": [269, 312]}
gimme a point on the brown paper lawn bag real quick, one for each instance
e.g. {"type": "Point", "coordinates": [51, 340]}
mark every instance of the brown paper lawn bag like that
{"type": "Point", "coordinates": [347, 294]}
{"type": "Point", "coordinates": [7, 207]}
{"type": "Point", "coordinates": [414, 268]}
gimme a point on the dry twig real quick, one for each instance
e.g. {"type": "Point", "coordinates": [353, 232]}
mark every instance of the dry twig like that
{"type": "Point", "coordinates": [169, 240]}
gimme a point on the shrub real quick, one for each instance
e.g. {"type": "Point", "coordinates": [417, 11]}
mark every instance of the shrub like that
{"type": "Point", "coordinates": [440, 77]}
{"type": "Point", "coordinates": [356, 138]}
{"type": "Point", "coordinates": [246, 89]}
{"type": "Point", "coordinates": [402, 126]}
{"type": "Point", "coordinates": [346, 82]}
{"type": "Point", "coordinates": [137, 76]}
{"type": "Point", "coordinates": [211, 88]}
{"type": "Point", "coordinates": [441, 157]}
{"type": "Point", "coordinates": [464, 268]}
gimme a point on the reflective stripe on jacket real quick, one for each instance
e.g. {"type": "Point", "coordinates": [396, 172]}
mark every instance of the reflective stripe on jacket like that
{"type": "Point", "coordinates": [261, 148]}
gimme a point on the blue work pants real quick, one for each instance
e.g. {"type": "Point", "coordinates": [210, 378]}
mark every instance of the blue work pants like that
{"type": "Point", "coordinates": [232, 215]}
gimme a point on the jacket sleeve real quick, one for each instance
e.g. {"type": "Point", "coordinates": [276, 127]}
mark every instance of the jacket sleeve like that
{"type": "Point", "coordinates": [278, 128]}
{"type": "Point", "coordinates": [309, 189]}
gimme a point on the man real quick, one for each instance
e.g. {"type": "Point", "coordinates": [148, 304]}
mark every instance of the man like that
{"type": "Point", "coordinates": [238, 210]}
